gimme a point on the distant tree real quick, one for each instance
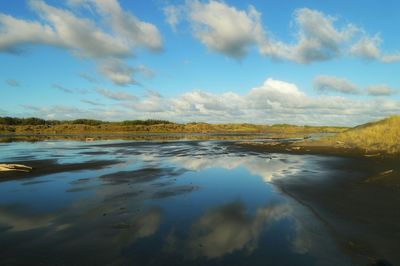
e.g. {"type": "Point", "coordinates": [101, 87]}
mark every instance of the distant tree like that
{"type": "Point", "coordinates": [89, 122]}
{"type": "Point", "coordinates": [148, 122]}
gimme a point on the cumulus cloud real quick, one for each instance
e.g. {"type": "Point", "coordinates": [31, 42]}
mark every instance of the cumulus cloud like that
{"type": "Point", "coordinates": [223, 28]}
{"type": "Point", "coordinates": [82, 36]}
{"type": "Point", "coordinates": [272, 102]}
{"type": "Point", "coordinates": [317, 39]}
{"type": "Point", "coordinates": [230, 31]}
{"type": "Point", "coordinates": [128, 27]}
{"type": "Point", "coordinates": [13, 83]}
{"type": "Point", "coordinates": [335, 84]}
{"type": "Point", "coordinates": [380, 90]}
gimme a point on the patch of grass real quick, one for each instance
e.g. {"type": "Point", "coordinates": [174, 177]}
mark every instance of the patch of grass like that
{"type": "Point", "coordinates": [381, 136]}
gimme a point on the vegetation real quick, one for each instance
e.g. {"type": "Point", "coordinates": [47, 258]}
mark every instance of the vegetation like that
{"type": "Point", "coordinates": [10, 125]}
{"type": "Point", "coordinates": [148, 122]}
{"type": "Point", "coordinates": [381, 136]}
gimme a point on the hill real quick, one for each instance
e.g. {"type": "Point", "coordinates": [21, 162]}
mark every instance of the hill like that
{"type": "Point", "coordinates": [380, 136]}
{"type": "Point", "coordinates": [9, 125]}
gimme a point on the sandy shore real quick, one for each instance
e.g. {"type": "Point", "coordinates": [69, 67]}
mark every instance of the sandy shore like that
{"type": "Point", "coordinates": [362, 210]}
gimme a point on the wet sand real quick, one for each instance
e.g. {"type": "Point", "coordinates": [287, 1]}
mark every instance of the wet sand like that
{"type": "Point", "coordinates": [362, 211]}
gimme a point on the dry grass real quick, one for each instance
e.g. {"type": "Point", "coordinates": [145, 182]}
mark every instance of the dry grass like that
{"type": "Point", "coordinates": [381, 136]}
{"type": "Point", "coordinates": [68, 128]}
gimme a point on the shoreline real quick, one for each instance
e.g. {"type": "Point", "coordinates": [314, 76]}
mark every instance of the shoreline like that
{"type": "Point", "coordinates": [360, 214]}
{"type": "Point", "coordinates": [315, 148]}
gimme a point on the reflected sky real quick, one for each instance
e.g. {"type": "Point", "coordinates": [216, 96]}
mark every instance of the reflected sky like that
{"type": "Point", "coordinates": [165, 203]}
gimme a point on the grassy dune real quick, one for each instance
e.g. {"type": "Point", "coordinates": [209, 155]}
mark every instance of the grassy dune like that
{"type": "Point", "coordinates": [85, 126]}
{"type": "Point", "coordinates": [381, 136]}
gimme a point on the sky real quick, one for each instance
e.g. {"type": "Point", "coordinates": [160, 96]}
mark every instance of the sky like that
{"type": "Point", "coordinates": [305, 62]}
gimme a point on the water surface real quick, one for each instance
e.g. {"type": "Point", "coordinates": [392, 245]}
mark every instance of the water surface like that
{"type": "Point", "coordinates": [160, 203]}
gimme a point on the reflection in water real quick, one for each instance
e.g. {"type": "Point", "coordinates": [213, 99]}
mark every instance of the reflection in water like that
{"type": "Point", "coordinates": [144, 226]}
{"type": "Point", "coordinates": [17, 222]}
{"type": "Point", "coordinates": [268, 168]}
{"type": "Point", "coordinates": [165, 204]}
{"type": "Point", "coordinates": [231, 228]}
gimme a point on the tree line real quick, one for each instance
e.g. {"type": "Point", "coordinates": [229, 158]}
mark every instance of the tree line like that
{"type": "Point", "coordinates": [34, 121]}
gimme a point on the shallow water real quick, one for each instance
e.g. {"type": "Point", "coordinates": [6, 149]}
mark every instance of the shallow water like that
{"type": "Point", "coordinates": [163, 203]}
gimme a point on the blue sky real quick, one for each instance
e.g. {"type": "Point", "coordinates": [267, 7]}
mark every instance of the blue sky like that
{"type": "Point", "coordinates": [301, 62]}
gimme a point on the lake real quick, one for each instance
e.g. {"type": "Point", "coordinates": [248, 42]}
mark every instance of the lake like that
{"type": "Point", "coordinates": [161, 203]}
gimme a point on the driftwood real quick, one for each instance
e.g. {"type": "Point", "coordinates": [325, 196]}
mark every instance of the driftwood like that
{"type": "Point", "coordinates": [372, 155]}
{"type": "Point", "coordinates": [387, 172]}
{"type": "Point", "coordinates": [15, 167]}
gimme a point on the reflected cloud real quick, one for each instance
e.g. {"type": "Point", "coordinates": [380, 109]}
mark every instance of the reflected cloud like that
{"type": "Point", "coordinates": [268, 168]}
{"type": "Point", "coordinates": [144, 226]}
{"type": "Point", "coordinates": [19, 222]}
{"type": "Point", "coordinates": [229, 228]}
{"type": "Point", "coordinates": [205, 155]}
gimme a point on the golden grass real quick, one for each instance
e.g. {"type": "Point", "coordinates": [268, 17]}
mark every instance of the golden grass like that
{"type": "Point", "coordinates": [120, 128]}
{"type": "Point", "coordinates": [381, 136]}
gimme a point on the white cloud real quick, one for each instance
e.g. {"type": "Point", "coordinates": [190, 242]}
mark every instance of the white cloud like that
{"type": "Point", "coordinates": [317, 39]}
{"type": "Point", "coordinates": [223, 28]}
{"type": "Point", "coordinates": [367, 47]}
{"type": "Point", "coordinates": [173, 15]}
{"type": "Point", "coordinates": [334, 84]}
{"type": "Point", "coordinates": [117, 71]}
{"type": "Point", "coordinates": [128, 27]}
{"type": "Point", "coordinates": [82, 36]}
{"type": "Point", "coordinates": [390, 58]}
{"type": "Point", "coordinates": [272, 102]}
{"type": "Point", "coordinates": [233, 32]}
{"type": "Point", "coordinates": [325, 83]}
{"type": "Point", "coordinates": [380, 90]}
{"type": "Point", "coordinates": [116, 95]}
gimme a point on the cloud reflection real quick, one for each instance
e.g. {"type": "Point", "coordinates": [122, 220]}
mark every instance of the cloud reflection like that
{"type": "Point", "coordinates": [231, 228]}
{"type": "Point", "coordinates": [268, 168]}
